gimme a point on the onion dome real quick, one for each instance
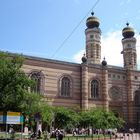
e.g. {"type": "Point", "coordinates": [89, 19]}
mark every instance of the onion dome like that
{"type": "Point", "coordinates": [84, 59]}
{"type": "Point", "coordinates": [128, 31]}
{"type": "Point", "coordinates": [104, 63]}
{"type": "Point", "coordinates": [92, 21]}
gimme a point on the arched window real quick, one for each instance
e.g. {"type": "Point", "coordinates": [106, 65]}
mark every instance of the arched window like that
{"type": "Point", "coordinates": [36, 87]}
{"type": "Point", "coordinates": [94, 89]}
{"type": "Point", "coordinates": [65, 87]}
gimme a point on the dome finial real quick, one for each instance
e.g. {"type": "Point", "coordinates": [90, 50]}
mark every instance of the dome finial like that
{"type": "Point", "coordinates": [127, 23]}
{"type": "Point", "coordinates": [92, 13]}
{"type": "Point", "coordinates": [104, 63]}
{"type": "Point", "coordinates": [84, 58]}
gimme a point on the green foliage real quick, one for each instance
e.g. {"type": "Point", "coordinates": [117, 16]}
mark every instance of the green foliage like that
{"type": "Point", "coordinates": [14, 86]}
{"type": "Point", "coordinates": [47, 113]}
{"type": "Point", "coordinates": [64, 118]}
{"type": "Point", "coordinates": [85, 119]}
{"type": "Point", "coordinates": [13, 82]}
{"type": "Point", "coordinates": [99, 118]}
{"type": "Point", "coordinates": [31, 103]}
{"type": "Point", "coordinates": [68, 119]}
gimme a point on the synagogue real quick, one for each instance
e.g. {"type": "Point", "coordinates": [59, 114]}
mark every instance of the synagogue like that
{"type": "Point", "coordinates": [92, 83]}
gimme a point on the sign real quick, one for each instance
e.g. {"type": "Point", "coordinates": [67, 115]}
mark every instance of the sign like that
{"type": "Point", "coordinates": [14, 118]}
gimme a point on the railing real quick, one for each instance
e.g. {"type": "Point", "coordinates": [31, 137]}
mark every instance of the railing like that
{"type": "Point", "coordinates": [119, 136]}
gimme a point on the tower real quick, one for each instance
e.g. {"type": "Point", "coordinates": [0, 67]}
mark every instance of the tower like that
{"type": "Point", "coordinates": [84, 83]}
{"type": "Point", "coordinates": [105, 85]}
{"type": "Point", "coordinates": [129, 48]}
{"type": "Point", "coordinates": [93, 44]}
{"type": "Point", "coordinates": [130, 63]}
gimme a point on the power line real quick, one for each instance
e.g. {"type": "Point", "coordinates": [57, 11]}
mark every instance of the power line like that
{"type": "Point", "coordinates": [62, 44]}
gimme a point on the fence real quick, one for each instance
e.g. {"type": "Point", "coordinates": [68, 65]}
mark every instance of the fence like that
{"type": "Point", "coordinates": [119, 136]}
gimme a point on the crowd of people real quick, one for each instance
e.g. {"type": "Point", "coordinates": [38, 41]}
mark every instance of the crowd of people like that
{"type": "Point", "coordinates": [58, 134]}
{"type": "Point", "coordinates": [90, 131]}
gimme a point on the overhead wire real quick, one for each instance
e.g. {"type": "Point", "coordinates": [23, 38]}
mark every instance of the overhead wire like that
{"type": "Point", "coordinates": [74, 29]}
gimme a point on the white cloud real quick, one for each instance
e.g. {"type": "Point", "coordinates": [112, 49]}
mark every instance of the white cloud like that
{"type": "Point", "coordinates": [111, 48]}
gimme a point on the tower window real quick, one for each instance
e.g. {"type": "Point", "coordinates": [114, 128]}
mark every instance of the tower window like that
{"type": "Point", "coordinates": [91, 36]}
{"type": "Point", "coordinates": [114, 76]}
{"type": "Point", "coordinates": [124, 77]}
{"type": "Point", "coordinates": [118, 76]}
{"type": "Point", "coordinates": [136, 78]}
{"type": "Point", "coordinates": [128, 45]}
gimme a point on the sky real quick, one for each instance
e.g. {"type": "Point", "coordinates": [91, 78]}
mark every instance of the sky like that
{"type": "Point", "coordinates": [55, 29]}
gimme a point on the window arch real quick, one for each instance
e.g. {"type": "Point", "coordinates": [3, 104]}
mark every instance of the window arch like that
{"type": "Point", "coordinates": [94, 89]}
{"type": "Point", "coordinates": [65, 87]}
{"type": "Point", "coordinates": [36, 87]}
{"type": "Point", "coordinates": [38, 79]}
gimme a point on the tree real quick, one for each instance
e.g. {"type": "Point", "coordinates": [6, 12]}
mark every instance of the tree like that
{"type": "Point", "coordinates": [85, 119]}
{"type": "Point", "coordinates": [65, 118]}
{"type": "Point", "coordinates": [47, 115]}
{"type": "Point", "coordinates": [105, 119]}
{"type": "Point", "coordinates": [14, 86]}
{"type": "Point", "coordinates": [99, 118]}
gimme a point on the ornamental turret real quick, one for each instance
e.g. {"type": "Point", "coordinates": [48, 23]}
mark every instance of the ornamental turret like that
{"type": "Point", "coordinates": [129, 48]}
{"type": "Point", "coordinates": [93, 43]}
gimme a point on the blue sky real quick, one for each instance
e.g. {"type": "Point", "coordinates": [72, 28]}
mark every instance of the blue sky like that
{"type": "Point", "coordinates": [40, 27]}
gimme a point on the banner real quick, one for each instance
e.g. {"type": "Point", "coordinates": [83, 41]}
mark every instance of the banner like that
{"type": "Point", "coordinates": [14, 118]}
